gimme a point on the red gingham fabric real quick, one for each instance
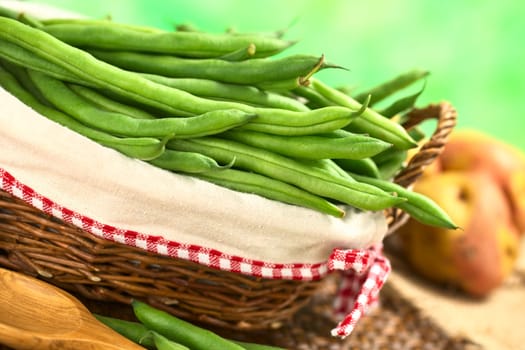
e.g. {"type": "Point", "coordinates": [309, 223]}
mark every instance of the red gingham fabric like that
{"type": "Point", "coordinates": [364, 270]}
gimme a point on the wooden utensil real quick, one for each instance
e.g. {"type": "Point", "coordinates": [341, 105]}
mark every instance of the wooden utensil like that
{"type": "Point", "coordinates": [38, 315]}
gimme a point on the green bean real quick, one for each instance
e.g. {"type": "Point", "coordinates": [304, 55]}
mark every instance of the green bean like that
{"type": "Point", "coordinates": [67, 101]}
{"type": "Point", "coordinates": [139, 148]}
{"type": "Point", "coordinates": [186, 162]}
{"type": "Point", "coordinates": [329, 166]}
{"type": "Point", "coordinates": [134, 331]}
{"type": "Point", "coordinates": [163, 343]}
{"type": "Point", "coordinates": [249, 72]}
{"type": "Point", "coordinates": [97, 22]}
{"type": "Point", "coordinates": [370, 122]}
{"type": "Point", "coordinates": [270, 188]}
{"type": "Point", "coordinates": [240, 54]}
{"type": "Point", "coordinates": [242, 93]}
{"type": "Point", "coordinates": [314, 99]}
{"type": "Point", "coordinates": [281, 86]}
{"type": "Point", "coordinates": [386, 89]}
{"type": "Point", "coordinates": [352, 146]}
{"type": "Point", "coordinates": [417, 205]}
{"type": "Point", "coordinates": [364, 166]}
{"type": "Point", "coordinates": [141, 90]}
{"type": "Point", "coordinates": [288, 170]}
{"type": "Point", "coordinates": [402, 104]}
{"type": "Point", "coordinates": [113, 36]}
{"type": "Point", "coordinates": [20, 16]}
{"type": "Point", "coordinates": [108, 104]}
{"type": "Point", "coordinates": [179, 330]}
{"type": "Point", "coordinates": [291, 123]}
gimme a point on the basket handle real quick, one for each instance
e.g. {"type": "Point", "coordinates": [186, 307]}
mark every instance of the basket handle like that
{"type": "Point", "coordinates": [446, 116]}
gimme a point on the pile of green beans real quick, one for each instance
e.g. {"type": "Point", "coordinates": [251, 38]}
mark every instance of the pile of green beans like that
{"type": "Point", "coordinates": [220, 107]}
{"type": "Point", "coordinates": [159, 330]}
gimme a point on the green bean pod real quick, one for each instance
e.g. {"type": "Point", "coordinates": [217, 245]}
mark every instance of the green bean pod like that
{"type": "Point", "coordinates": [163, 343]}
{"type": "Point", "coordinates": [241, 54]}
{"type": "Point", "coordinates": [419, 207]}
{"type": "Point", "coordinates": [264, 186]}
{"type": "Point", "coordinates": [186, 162]}
{"type": "Point", "coordinates": [108, 104]}
{"type": "Point", "coordinates": [402, 104]}
{"type": "Point", "coordinates": [134, 331]}
{"type": "Point", "coordinates": [144, 148]}
{"type": "Point", "coordinates": [352, 146]}
{"type": "Point", "coordinates": [232, 92]}
{"type": "Point", "coordinates": [388, 88]}
{"type": "Point", "coordinates": [291, 123]}
{"type": "Point", "coordinates": [21, 17]}
{"type": "Point", "coordinates": [119, 124]}
{"type": "Point", "coordinates": [365, 166]}
{"type": "Point", "coordinates": [179, 330]}
{"type": "Point", "coordinates": [249, 72]}
{"type": "Point", "coordinates": [370, 122]}
{"type": "Point", "coordinates": [113, 36]}
{"type": "Point", "coordinates": [314, 99]}
{"type": "Point", "coordinates": [285, 169]}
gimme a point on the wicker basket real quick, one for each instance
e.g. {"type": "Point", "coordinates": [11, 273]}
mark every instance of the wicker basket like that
{"type": "Point", "coordinates": [64, 255]}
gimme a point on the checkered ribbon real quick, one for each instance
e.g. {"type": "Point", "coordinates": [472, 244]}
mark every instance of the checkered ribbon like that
{"type": "Point", "coordinates": [364, 270]}
{"type": "Point", "coordinates": [364, 273]}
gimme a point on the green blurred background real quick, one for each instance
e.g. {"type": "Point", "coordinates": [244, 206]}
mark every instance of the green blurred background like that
{"type": "Point", "coordinates": [474, 49]}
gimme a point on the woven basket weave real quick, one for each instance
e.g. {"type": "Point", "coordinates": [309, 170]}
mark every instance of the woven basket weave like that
{"type": "Point", "coordinates": [37, 244]}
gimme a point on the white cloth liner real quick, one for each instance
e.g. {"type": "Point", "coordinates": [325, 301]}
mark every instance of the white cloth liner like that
{"type": "Point", "coordinates": [129, 194]}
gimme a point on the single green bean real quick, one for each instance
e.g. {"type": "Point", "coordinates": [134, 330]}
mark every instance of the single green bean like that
{"type": "Point", "coordinates": [96, 22]}
{"type": "Point", "coordinates": [291, 123]}
{"type": "Point", "coordinates": [186, 162]}
{"type": "Point", "coordinates": [113, 36]}
{"type": "Point", "coordinates": [313, 98]}
{"type": "Point", "coordinates": [180, 331]}
{"type": "Point", "coordinates": [419, 207]}
{"type": "Point", "coordinates": [370, 122]}
{"type": "Point", "coordinates": [352, 146]}
{"type": "Point", "coordinates": [402, 104]}
{"type": "Point", "coordinates": [108, 104]}
{"type": "Point", "coordinates": [249, 72]}
{"type": "Point", "coordinates": [264, 186]}
{"type": "Point", "coordinates": [21, 17]}
{"type": "Point", "coordinates": [163, 343]}
{"type": "Point", "coordinates": [233, 92]}
{"type": "Point", "coordinates": [281, 86]}
{"type": "Point", "coordinates": [241, 54]}
{"type": "Point", "coordinates": [329, 166]}
{"type": "Point", "coordinates": [139, 89]}
{"type": "Point", "coordinates": [288, 170]}
{"type": "Point", "coordinates": [140, 148]}
{"type": "Point", "coordinates": [66, 100]}
{"type": "Point", "coordinates": [388, 88]}
{"type": "Point", "coordinates": [365, 166]}
{"type": "Point", "coordinates": [134, 331]}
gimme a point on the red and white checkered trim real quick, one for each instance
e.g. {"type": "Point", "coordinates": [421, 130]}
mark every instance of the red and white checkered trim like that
{"type": "Point", "coordinates": [365, 270]}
